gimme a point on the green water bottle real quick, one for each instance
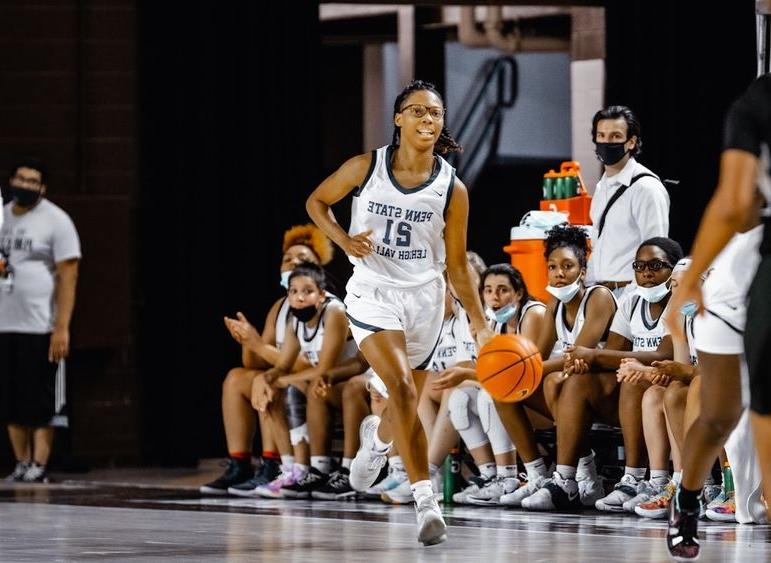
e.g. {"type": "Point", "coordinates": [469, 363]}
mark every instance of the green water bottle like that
{"type": "Point", "coordinates": [571, 186]}
{"type": "Point", "coordinates": [548, 188]}
{"type": "Point", "coordinates": [451, 480]}
{"type": "Point", "coordinates": [728, 479]}
{"type": "Point", "coordinates": [559, 188]}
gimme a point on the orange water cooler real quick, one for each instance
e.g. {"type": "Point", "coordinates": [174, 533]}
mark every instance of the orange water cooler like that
{"type": "Point", "coordinates": [565, 195]}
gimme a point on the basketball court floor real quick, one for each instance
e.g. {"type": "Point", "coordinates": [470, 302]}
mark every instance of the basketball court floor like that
{"type": "Point", "coordinates": [135, 518]}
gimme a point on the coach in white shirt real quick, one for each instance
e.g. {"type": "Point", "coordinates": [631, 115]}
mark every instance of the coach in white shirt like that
{"type": "Point", "coordinates": [630, 204]}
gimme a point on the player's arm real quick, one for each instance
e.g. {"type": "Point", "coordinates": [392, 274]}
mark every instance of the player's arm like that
{"type": "Point", "coordinates": [456, 226]}
{"type": "Point", "coordinates": [600, 309]}
{"type": "Point", "coordinates": [249, 358]}
{"type": "Point", "coordinates": [335, 335]}
{"type": "Point", "coordinates": [547, 338]}
{"type": "Point", "coordinates": [286, 357]}
{"type": "Point", "coordinates": [348, 369]}
{"type": "Point", "coordinates": [342, 182]}
{"type": "Point", "coordinates": [611, 359]}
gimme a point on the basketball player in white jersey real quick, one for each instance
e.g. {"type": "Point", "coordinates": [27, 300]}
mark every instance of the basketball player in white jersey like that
{"type": "Point", "coordinates": [577, 315]}
{"type": "Point", "coordinates": [302, 243]}
{"type": "Point", "coordinates": [591, 390]}
{"type": "Point", "coordinates": [408, 222]}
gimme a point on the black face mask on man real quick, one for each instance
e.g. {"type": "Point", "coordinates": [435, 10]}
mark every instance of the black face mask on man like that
{"type": "Point", "coordinates": [305, 314]}
{"type": "Point", "coordinates": [610, 153]}
{"type": "Point", "coordinates": [24, 197]}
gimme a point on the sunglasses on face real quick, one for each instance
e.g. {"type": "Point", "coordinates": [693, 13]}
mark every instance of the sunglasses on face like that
{"type": "Point", "coordinates": [654, 265]}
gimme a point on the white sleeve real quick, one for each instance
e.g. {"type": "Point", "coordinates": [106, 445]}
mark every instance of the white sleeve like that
{"type": "Point", "coordinates": [650, 209]}
{"type": "Point", "coordinates": [622, 320]}
{"type": "Point", "coordinates": [66, 243]}
{"type": "Point", "coordinates": [465, 346]}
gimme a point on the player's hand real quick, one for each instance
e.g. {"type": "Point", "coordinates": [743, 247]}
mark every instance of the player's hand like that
{"type": "Point", "coordinates": [359, 245]}
{"type": "Point", "coordinates": [320, 387]}
{"type": "Point", "coordinates": [675, 370]}
{"type": "Point", "coordinates": [577, 360]}
{"type": "Point", "coordinates": [685, 294]}
{"type": "Point", "coordinates": [243, 332]}
{"type": "Point", "coordinates": [281, 383]}
{"type": "Point", "coordinates": [632, 370]}
{"type": "Point", "coordinates": [59, 346]}
{"type": "Point", "coordinates": [452, 377]}
{"type": "Point", "coordinates": [3, 264]}
{"type": "Point", "coordinates": [262, 394]}
{"type": "Point", "coordinates": [483, 336]}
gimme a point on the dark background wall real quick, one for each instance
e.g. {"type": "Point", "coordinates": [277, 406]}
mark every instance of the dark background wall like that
{"type": "Point", "coordinates": [183, 140]}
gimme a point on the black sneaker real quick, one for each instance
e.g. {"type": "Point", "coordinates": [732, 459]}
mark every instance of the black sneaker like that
{"type": "Point", "coordinates": [338, 487]}
{"type": "Point", "coordinates": [682, 539]}
{"type": "Point", "coordinates": [302, 488]}
{"type": "Point", "coordinates": [269, 470]}
{"type": "Point", "coordinates": [236, 472]}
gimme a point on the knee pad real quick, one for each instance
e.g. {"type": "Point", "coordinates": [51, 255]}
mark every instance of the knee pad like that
{"type": "Point", "coordinates": [492, 425]}
{"type": "Point", "coordinates": [462, 407]}
{"type": "Point", "coordinates": [295, 407]}
{"type": "Point", "coordinates": [298, 434]}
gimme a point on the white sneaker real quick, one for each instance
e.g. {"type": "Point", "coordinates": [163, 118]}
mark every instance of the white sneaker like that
{"type": "Point", "coordinates": [530, 487]}
{"type": "Point", "coordinates": [625, 490]}
{"type": "Point", "coordinates": [646, 491]}
{"type": "Point", "coordinates": [590, 489]}
{"type": "Point", "coordinates": [18, 472]}
{"type": "Point", "coordinates": [395, 478]}
{"type": "Point", "coordinates": [493, 490]}
{"type": "Point", "coordinates": [475, 484]}
{"type": "Point", "coordinates": [35, 473]}
{"type": "Point", "coordinates": [555, 494]}
{"type": "Point", "coordinates": [367, 464]}
{"type": "Point", "coordinates": [431, 527]}
{"type": "Point", "coordinates": [399, 495]}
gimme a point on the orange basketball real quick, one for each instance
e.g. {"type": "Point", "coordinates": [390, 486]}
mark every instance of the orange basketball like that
{"type": "Point", "coordinates": [510, 368]}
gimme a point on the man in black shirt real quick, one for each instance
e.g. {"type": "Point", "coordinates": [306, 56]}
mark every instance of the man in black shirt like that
{"type": "Point", "coordinates": [745, 168]}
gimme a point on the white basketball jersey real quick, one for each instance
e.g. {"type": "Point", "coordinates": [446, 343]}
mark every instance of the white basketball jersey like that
{"type": "Point", "coordinates": [691, 338]}
{"type": "Point", "coordinates": [634, 322]}
{"type": "Point", "coordinates": [455, 342]}
{"type": "Point", "coordinates": [407, 224]}
{"type": "Point", "coordinates": [568, 336]}
{"type": "Point", "coordinates": [312, 339]}
{"type": "Point", "coordinates": [502, 328]}
{"type": "Point", "coordinates": [281, 319]}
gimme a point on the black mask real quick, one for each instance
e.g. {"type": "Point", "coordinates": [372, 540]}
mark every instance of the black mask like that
{"type": "Point", "coordinates": [24, 197]}
{"type": "Point", "coordinates": [305, 314]}
{"type": "Point", "coordinates": [610, 153]}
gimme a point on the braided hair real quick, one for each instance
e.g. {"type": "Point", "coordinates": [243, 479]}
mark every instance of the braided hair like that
{"type": "Point", "coordinates": [446, 142]}
{"type": "Point", "coordinates": [568, 236]}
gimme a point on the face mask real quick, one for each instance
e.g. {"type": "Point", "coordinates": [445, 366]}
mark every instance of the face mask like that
{"type": "Point", "coordinates": [565, 293]}
{"type": "Point", "coordinates": [305, 314]}
{"type": "Point", "coordinates": [653, 294]}
{"type": "Point", "coordinates": [689, 309]}
{"type": "Point", "coordinates": [285, 279]}
{"type": "Point", "coordinates": [609, 153]}
{"type": "Point", "coordinates": [503, 314]}
{"type": "Point", "coordinates": [24, 197]}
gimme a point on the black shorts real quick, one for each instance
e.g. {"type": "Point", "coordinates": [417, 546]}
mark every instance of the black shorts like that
{"type": "Point", "coordinates": [27, 380]}
{"type": "Point", "coordinates": [757, 339]}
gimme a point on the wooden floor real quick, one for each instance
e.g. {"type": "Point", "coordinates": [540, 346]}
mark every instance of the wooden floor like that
{"type": "Point", "coordinates": [99, 520]}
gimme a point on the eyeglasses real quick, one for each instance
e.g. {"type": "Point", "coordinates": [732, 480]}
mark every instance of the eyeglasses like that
{"type": "Point", "coordinates": [654, 265]}
{"type": "Point", "coordinates": [419, 110]}
{"type": "Point", "coordinates": [34, 182]}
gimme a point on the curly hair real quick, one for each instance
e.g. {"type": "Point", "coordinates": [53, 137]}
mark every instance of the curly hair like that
{"type": "Point", "coordinates": [568, 236]}
{"type": "Point", "coordinates": [311, 236]}
{"type": "Point", "coordinates": [446, 142]}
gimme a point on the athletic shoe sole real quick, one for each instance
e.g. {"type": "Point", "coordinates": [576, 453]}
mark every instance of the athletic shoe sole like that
{"type": "Point", "coordinates": [334, 496]}
{"type": "Point", "coordinates": [204, 490]}
{"type": "Point", "coordinates": [433, 533]}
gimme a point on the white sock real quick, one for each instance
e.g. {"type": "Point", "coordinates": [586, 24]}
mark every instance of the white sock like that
{"type": "Point", "coordinates": [422, 489]}
{"type": "Point", "coordinates": [677, 477]}
{"type": "Point", "coordinates": [301, 470]}
{"type": "Point", "coordinates": [287, 460]}
{"type": "Point", "coordinates": [396, 462]}
{"type": "Point", "coordinates": [535, 468]}
{"type": "Point", "coordinates": [379, 445]}
{"type": "Point", "coordinates": [567, 471]}
{"type": "Point", "coordinates": [488, 470]}
{"type": "Point", "coordinates": [636, 472]}
{"type": "Point", "coordinates": [586, 467]}
{"type": "Point", "coordinates": [659, 477]}
{"type": "Point", "coordinates": [323, 463]}
{"type": "Point", "coordinates": [346, 462]}
{"type": "Point", "coordinates": [506, 471]}
{"type": "Point", "coordinates": [433, 469]}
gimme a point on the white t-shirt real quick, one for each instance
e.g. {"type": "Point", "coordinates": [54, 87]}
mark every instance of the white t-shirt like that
{"type": "Point", "coordinates": [34, 242]}
{"type": "Point", "coordinates": [407, 224]}
{"type": "Point", "coordinates": [455, 342]}
{"type": "Point", "coordinates": [634, 322]}
{"type": "Point", "coordinates": [642, 212]}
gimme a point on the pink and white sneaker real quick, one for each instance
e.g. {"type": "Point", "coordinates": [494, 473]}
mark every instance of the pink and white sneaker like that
{"type": "Point", "coordinates": [286, 478]}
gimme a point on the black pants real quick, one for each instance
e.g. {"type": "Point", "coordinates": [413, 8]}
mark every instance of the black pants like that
{"type": "Point", "coordinates": [757, 338]}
